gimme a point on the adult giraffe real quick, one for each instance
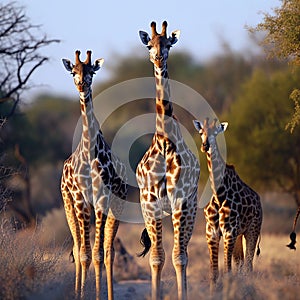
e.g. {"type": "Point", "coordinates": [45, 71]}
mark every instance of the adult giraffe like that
{"type": "Point", "coordinates": [168, 173]}
{"type": "Point", "coordinates": [234, 210]}
{"type": "Point", "coordinates": [92, 178]}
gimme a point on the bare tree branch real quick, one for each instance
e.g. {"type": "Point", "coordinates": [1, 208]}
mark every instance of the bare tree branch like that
{"type": "Point", "coordinates": [20, 42]}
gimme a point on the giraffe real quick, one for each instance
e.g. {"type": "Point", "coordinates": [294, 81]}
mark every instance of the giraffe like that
{"type": "Point", "coordinates": [292, 244]}
{"type": "Point", "coordinates": [168, 173]}
{"type": "Point", "coordinates": [92, 178]}
{"type": "Point", "coordinates": [234, 210]}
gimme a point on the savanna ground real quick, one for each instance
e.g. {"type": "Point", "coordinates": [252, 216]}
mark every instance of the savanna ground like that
{"type": "Point", "coordinates": [34, 264]}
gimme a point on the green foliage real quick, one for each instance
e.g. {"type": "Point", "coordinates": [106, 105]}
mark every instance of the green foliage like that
{"type": "Point", "coordinates": [41, 130]}
{"type": "Point", "coordinates": [264, 153]}
{"type": "Point", "coordinates": [283, 31]}
{"type": "Point", "coordinates": [217, 80]}
{"type": "Point", "coordinates": [295, 120]}
{"type": "Point", "coordinates": [283, 35]}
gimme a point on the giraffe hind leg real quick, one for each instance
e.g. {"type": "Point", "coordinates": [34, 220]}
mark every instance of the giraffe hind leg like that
{"type": "Point", "coordinates": [251, 241]}
{"type": "Point", "coordinates": [238, 253]}
{"type": "Point", "coordinates": [152, 215]}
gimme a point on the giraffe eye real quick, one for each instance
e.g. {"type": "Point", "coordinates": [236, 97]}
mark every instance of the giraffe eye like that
{"type": "Point", "coordinates": [149, 47]}
{"type": "Point", "coordinates": [73, 74]}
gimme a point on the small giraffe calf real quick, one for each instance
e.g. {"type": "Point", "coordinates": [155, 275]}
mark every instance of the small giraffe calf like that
{"type": "Point", "coordinates": [234, 210]}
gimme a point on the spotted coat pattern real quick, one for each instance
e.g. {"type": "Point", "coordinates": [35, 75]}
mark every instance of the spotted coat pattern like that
{"type": "Point", "coordinates": [234, 210]}
{"type": "Point", "coordinates": [92, 178]}
{"type": "Point", "coordinates": [168, 173]}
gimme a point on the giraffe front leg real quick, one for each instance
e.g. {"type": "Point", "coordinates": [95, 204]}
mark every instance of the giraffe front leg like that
{"type": "Point", "coordinates": [75, 232]}
{"type": "Point", "coordinates": [157, 256]}
{"type": "Point", "coordinates": [213, 240]}
{"type": "Point", "coordinates": [229, 242]}
{"type": "Point", "coordinates": [183, 219]}
{"type": "Point", "coordinates": [83, 216]}
{"type": "Point", "coordinates": [98, 253]}
{"type": "Point", "coordinates": [211, 213]}
{"type": "Point", "coordinates": [152, 216]}
{"type": "Point", "coordinates": [111, 228]}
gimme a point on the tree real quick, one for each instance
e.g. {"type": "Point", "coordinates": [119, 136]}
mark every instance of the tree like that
{"type": "Point", "coordinates": [283, 35]}
{"type": "Point", "coordinates": [20, 42]}
{"type": "Point", "coordinates": [263, 151]}
{"type": "Point", "coordinates": [35, 142]}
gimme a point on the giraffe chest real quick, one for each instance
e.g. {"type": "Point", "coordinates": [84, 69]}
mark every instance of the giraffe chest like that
{"type": "Point", "coordinates": [167, 165]}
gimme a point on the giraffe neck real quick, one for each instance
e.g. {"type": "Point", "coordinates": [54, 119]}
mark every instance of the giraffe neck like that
{"type": "Point", "coordinates": [90, 125]}
{"type": "Point", "coordinates": [164, 108]}
{"type": "Point", "coordinates": [216, 167]}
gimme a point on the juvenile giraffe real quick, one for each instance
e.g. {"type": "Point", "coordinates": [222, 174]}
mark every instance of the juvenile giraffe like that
{"type": "Point", "coordinates": [168, 173]}
{"type": "Point", "coordinates": [234, 210]}
{"type": "Point", "coordinates": [92, 178]}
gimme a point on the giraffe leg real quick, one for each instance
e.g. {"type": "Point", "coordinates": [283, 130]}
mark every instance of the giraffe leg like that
{"type": "Point", "coordinates": [183, 223]}
{"type": "Point", "coordinates": [111, 228]}
{"type": "Point", "coordinates": [213, 240]}
{"type": "Point", "coordinates": [152, 214]}
{"type": "Point", "coordinates": [98, 253]}
{"type": "Point", "coordinates": [74, 228]}
{"type": "Point", "coordinates": [211, 213]}
{"type": "Point", "coordinates": [238, 253]}
{"type": "Point", "coordinates": [229, 242]}
{"type": "Point", "coordinates": [83, 215]}
{"type": "Point", "coordinates": [251, 237]}
{"type": "Point", "coordinates": [157, 256]}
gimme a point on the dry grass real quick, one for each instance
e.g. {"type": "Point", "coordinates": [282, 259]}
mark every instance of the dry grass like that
{"type": "Point", "coordinates": [26, 267]}
{"type": "Point", "coordinates": [34, 265]}
{"type": "Point", "coordinates": [276, 271]}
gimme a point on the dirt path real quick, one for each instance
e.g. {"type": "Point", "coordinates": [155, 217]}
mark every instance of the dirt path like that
{"type": "Point", "coordinates": [132, 289]}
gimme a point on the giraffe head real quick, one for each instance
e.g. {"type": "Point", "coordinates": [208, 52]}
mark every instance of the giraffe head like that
{"type": "Point", "coordinates": [209, 132]}
{"type": "Point", "coordinates": [83, 71]}
{"type": "Point", "coordinates": [159, 44]}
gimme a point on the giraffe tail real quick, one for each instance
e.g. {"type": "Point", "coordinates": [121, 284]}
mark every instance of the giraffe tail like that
{"type": "Point", "coordinates": [292, 244]}
{"type": "Point", "coordinates": [146, 243]}
{"type": "Point", "coordinates": [258, 248]}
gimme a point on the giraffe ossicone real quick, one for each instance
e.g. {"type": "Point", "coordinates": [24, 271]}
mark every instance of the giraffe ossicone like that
{"type": "Point", "coordinates": [92, 178]}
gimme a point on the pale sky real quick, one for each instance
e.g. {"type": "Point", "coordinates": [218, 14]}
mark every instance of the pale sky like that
{"type": "Point", "coordinates": [110, 28]}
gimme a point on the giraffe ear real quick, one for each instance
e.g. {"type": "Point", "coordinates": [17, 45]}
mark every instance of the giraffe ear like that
{"type": "Point", "coordinates": [174, 36]}
{"type": "Point", "coordinates": [198, 125]}
{"type": "Point", "coordinates": [222, 127]}
{"type": "Point", "coordinates": [98, 64]}
{"type": "Point", "coordinates": [144, 36]}
{"type": "Point", "coordinates": [68, 65]}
